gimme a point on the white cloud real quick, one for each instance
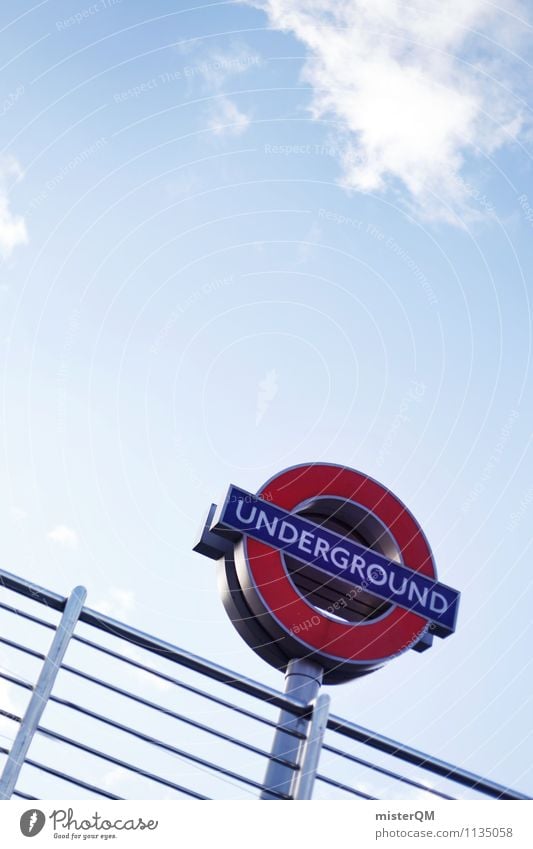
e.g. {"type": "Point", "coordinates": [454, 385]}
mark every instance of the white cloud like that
{"type": "Point", "coordinates": [147, 679]}
{"type": "Point", "coordinates": [12, 227]}
{"type": "Point", "coordinates": [410, 86]}
{"type": "Point", "coordinates": [116, 777]}
{"type": "Point", "coordinates": [266, 392]}
{"type": "Point", "coordinates": [226, 119]}
{"type": "Point", "coordinates": [118, 603]}
{"type": "Point", "coordinates": [64, 535]}
{"type": "Point", "coordinates": [306, 246]}
{"type": "Point", "coordinates": [18, 515]}
{"type": "Point", "coordinates": [220, 65]}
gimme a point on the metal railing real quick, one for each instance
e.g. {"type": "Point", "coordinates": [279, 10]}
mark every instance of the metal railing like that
{"type": "Point", "coordinates": [112, 712]}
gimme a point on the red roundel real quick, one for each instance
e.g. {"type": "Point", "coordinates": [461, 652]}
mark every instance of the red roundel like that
{"type": "Point", "coordinates": [366, 643]}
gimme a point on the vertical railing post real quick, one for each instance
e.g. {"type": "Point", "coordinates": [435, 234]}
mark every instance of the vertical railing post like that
{"type": "Point", "coordinates": [41, 692]}
{"type": "Point", "coordinates": [304, 778]}
{"type": "Point", "coordinates": [303, 679]}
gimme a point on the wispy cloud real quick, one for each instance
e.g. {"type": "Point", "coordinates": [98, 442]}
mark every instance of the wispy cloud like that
{"type": "Point", "coordinates": [219, 66]}
{"type": "Point", "coordinates": [18, 515]}
{"type": "Point", "coordinates": [12, 227]}
{"type": "Point", "coordinates": [226, 119]}
{"type": "Point", "coordinates": [149, 680]}
{"type": "Point", "coordinates": [65, 536]}
{"type": "Point", "coordinates": [118, 603]}
{"type": "Point", "coordinates": [417, 89]}
{"type": "Point", "coordinates": [307, 245]}
{"type": "Point", "coordinates": [116, 777]}
{"type": "Point", "coordinates": [266, 392]}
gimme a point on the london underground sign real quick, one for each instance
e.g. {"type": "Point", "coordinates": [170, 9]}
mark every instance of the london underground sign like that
{"type": "Point", "coordinates": [337, 556]}
{"type": "Point", "coordinates": [326, 563]}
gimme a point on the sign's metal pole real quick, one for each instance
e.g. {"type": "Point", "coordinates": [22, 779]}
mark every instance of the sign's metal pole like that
{"type": "Point", "coordinates": [304, 779]}
{"type": "Point", "coordinates": [41, 692]}
{"type": "Point", "coordinates": [303, 679]}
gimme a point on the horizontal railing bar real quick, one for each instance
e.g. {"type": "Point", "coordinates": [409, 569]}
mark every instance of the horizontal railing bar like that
{"type": "Point", "coordinates": [118, 690]}
{"type": "Point", "coordinates": [25, 615]}
{"type": "Point", "coordinates": [139, 735]}
{"type": "Point", "coordinates": [191, 661]}
{"type": "Point", "coordinates": [149, 670]}
{"type": "Point", "coordinates": [108, 721]}
{"type": "Point", "coordinates": [26, 649]}
{"type": "Point", "coordinates": [427, 762]}
{"type": "Point", "coordinates": [157, 646]}
{"type": "Point", "coordinates": [180, 753]}
{"type": "Point", "coordinates": [219, 734]}
{"type": "Point", "coordinates": [383, 771]}
{"type": "Point", "coordinates": [146, 738]}
{"type": "Point", "coordinates": [18, 681]}
{"type": "Point", "coordinates": [121, 692]}
{"type": "Point", "coordinates": [159, 779]}
{"type": "Point", "coordinates": [68, 778]}
{"type": "Point", "coordinates": [22, 795]}
{"type": "Point", "coordinates": [33, 591]}
{"type": "Point", "coordinates": [7, 715]}
{"type": "Point", "coordinates": [252, 688]}
{"type": "Point", "coordinates": [340, 786]}
{"type": "Point", "coordinates": [178, 683]}
{"type": "Point", "coordinates": [60, 738]}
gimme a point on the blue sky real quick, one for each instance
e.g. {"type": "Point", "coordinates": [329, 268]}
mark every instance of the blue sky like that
{"type": "Point", "coordinates": [237, 237]}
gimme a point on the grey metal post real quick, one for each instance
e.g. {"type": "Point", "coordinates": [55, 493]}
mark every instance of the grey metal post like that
{"type": "Point", "coordinates": [41, 692]}
{"type": "Point", "coordinates": [303, 679]}
{"type": "Point", "coordinates": [304, 779]}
